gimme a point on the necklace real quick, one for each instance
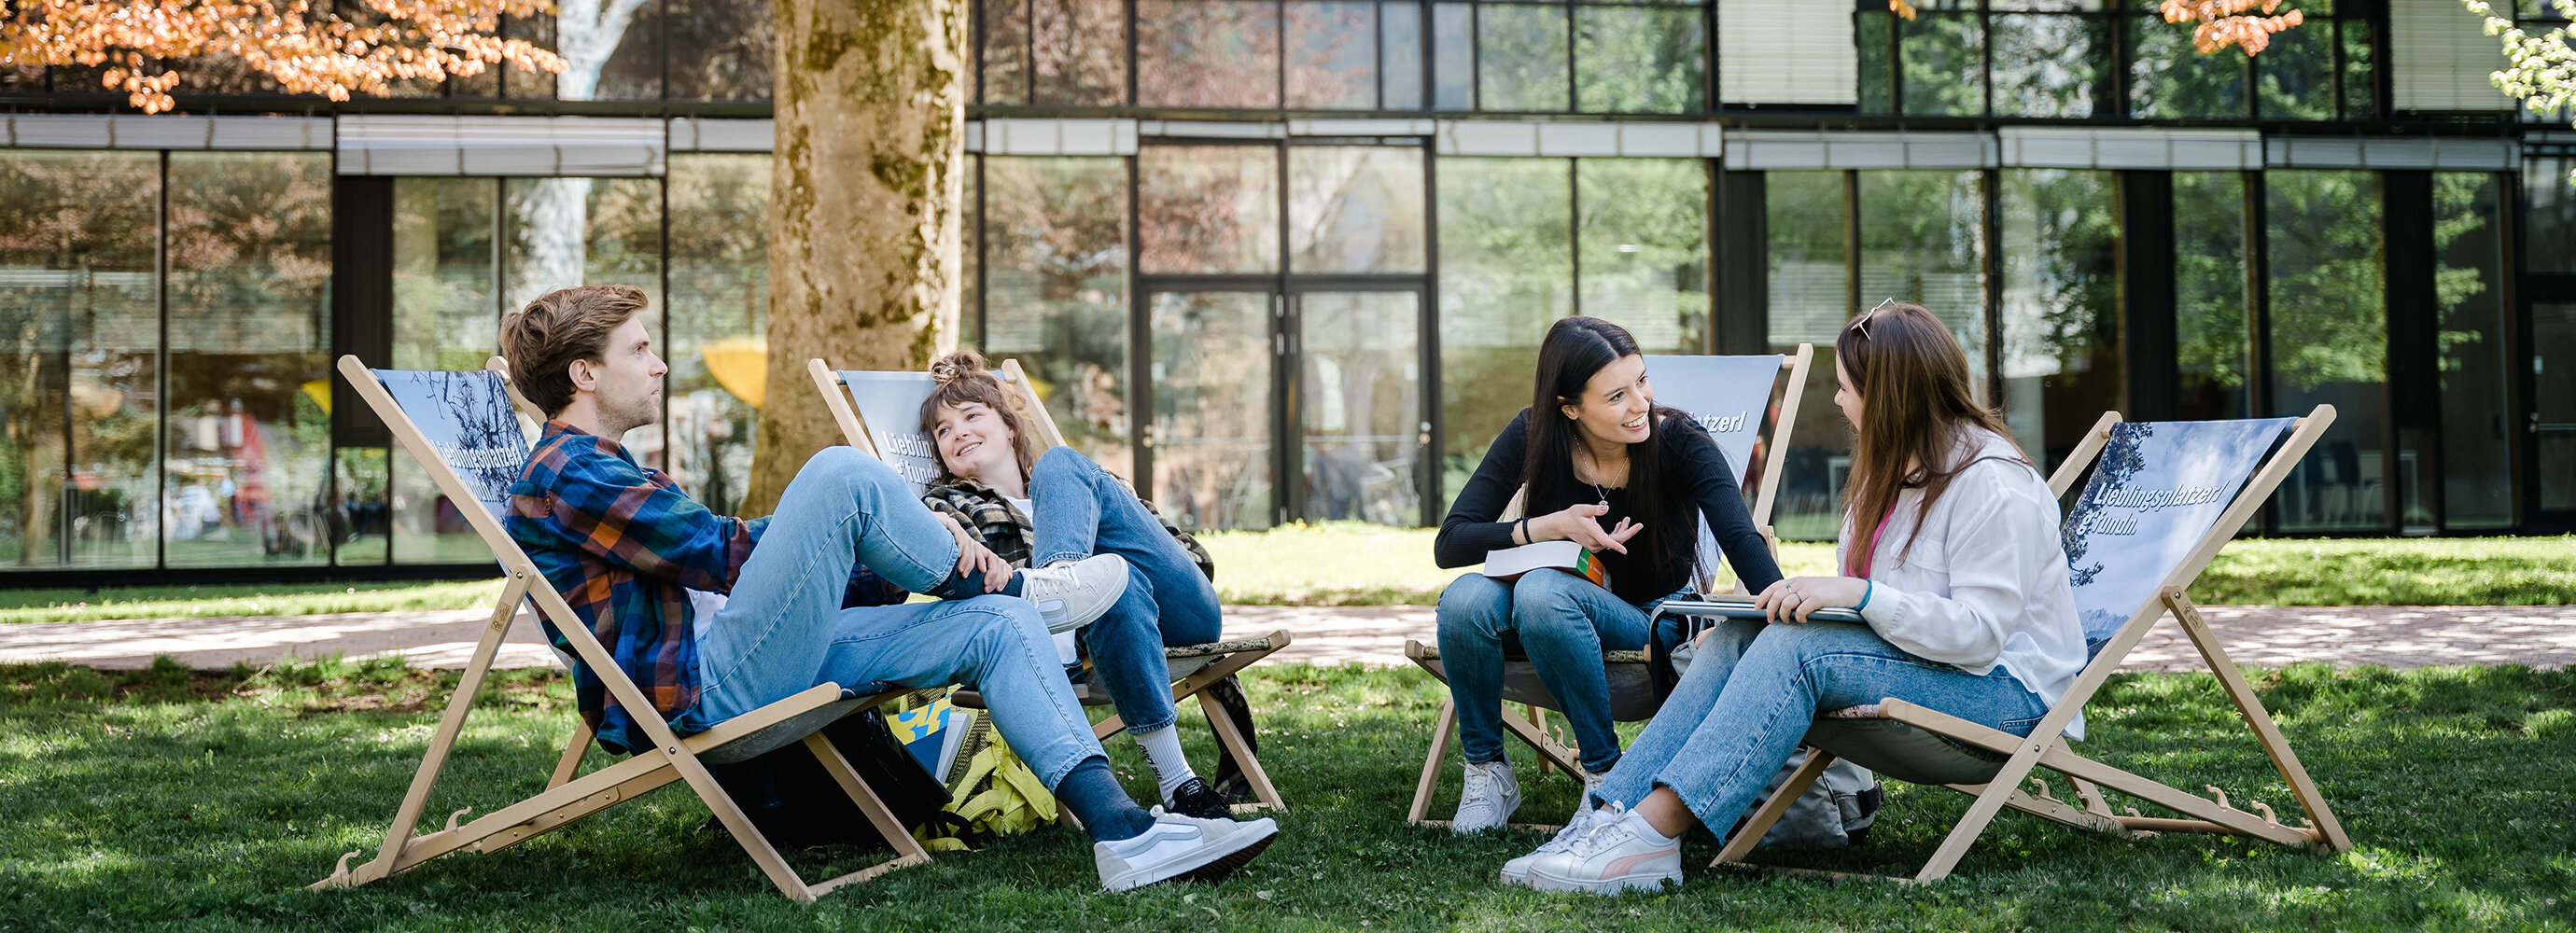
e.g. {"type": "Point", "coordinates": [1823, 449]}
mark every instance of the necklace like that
{"type": "Point", "coordinates": [1594, 467]}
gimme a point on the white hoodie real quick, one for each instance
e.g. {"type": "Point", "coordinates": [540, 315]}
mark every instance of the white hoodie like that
{"type": "Point", "coordinates": [1984, 581]}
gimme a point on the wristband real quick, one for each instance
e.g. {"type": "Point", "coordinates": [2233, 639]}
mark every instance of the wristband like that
{"type": "Point", "coordinates": [1525, 538]}
{"type": "Point", "coordinates": [1866, 588]}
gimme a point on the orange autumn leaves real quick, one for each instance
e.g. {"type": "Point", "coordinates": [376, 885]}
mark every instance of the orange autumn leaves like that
{"type": "Point", "coordinates": [307, 50]}
{"type": "Point", "coordinates": [2223, 23]}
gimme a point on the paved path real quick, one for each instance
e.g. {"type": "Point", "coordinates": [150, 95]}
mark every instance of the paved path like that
{"type": "Point", "coordinates": [2395, 636]}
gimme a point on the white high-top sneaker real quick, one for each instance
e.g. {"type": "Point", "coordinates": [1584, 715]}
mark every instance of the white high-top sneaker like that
{"type": "Point", "coordinates": [1070, 594]}
{"type": "Point", "coordinates": [1491, 795]}
{"type": "Point", "coordinates": [1621, 853]}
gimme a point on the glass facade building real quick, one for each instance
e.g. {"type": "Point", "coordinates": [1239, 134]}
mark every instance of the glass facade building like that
{"type": "Point", "coordinates": [1290, 259]}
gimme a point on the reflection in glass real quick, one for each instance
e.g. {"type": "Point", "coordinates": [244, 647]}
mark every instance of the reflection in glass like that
{"type": "Point", "coordinates": [1332, 54]}
{"type": "Point", "coordinates": [247, 468]}
{"type": "Point", "coordinates": [361, 521]}
{"type": "Point", "coordinates": [1360, 405]}
{"type": "Point", "coordinates": [2549, 214]}
{"type": "Point", "coordinates": [77, 295]}
{"type": "Point", "coordinates": [1212, 376]}
{"type": "Point", "coordinates": [1922, 239]}
{"type": "Point", "coordinates": [2168, 79]}
{"type": "Point", "coordinates": [2329, 342]}
{"type": "Point", "coordinates": [721, 49]}
{"type": "Point", "coordinates": [1638, 60]}
{"type": "Point", "coordinates": [2210, 295]}
{"type": "Point", "coordinates": [2061, 315]}
{"type": "Point", "coordinates": [1400, 51]}
{"type": "Point", "coordinates": [1520, 58]}
{"type": "Point", "coordinates": [2049, 65]}
{"type": "Point", "coordinates": [1081, 51]}
{"type": "Point", "coordinates": [1208, 208]}
{"type": "Point", "coordinates": [1805, 254]}
{"type": "Point", "coordinates": [2360, 92]}
{"type": "Point", "coordinates": [1944, 64]}
{"type": "Point", "coordinates": [1005, 66]}
{"type": "Point", "coordinates": [1056, 291]}
{"type": "Point", "coordinates": [1355, 209]}
{"type": "Point", "coordinates": [2553, 384]}
{"type": "Point", "coordinates": [562, 232]}
{"type": "Point", "coordinates": [1644, 248]}
{"type": "Point", "coordinates": [1207, 53]}
{"type": "Point", "coordinates": [1453, 56]}
{"type": "Point", "coordinates": [446, 316]}
{"type": "Point", "coordinates": [719, 299]}
{"type": "Point", "coordinates": [2294, 79]}
{"type": "Point", "coordinates": [1872, 31]}
{"type": "Point", "coordinates": [1506, 273]}
{"type": "Point", "coordinates": [2468, 283]}
{"type": "Point", "coordinates": [970, 226]}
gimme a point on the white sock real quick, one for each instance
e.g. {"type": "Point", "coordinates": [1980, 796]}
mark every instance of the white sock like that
{"type": "Point", "coordinates": [1163, 751]}
{"type": "Point", "coordinates": [1646, 831]}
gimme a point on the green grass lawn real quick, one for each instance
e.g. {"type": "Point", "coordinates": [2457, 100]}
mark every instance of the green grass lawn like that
{"type": "Point", "coordinates": [1345, 563]}
{"type": "Point", "coordinates": [162, 799]}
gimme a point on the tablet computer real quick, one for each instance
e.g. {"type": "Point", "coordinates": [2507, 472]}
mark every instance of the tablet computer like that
{"type": "Point", "coordinates": [1744, 610]}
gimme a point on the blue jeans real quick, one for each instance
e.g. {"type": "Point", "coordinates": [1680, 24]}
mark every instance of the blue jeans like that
{"type": "Point", "coordinates": [783, 629]}
{"type": "Point", "coordinates": [1083, 511]}
{"type": "Point", "coordinates": [1754, 687]}
{"type": "Point", "coordinates": [1564, 623]}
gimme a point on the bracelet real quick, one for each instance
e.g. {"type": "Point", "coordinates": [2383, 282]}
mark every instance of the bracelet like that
{"type": "Point", "coordinates": [1524, 530]}
{"type": "Point", "coordinates": [1866, 588]}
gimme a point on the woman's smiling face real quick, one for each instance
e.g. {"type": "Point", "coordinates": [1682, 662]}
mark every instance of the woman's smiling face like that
{"type": "Point", "coordinates": [973, 441]}
{"type": "Point", "coordinates": [1617, 405]}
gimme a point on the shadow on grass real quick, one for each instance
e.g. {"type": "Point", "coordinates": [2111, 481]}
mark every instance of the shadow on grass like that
{"type": "Point", "coordinates": [152, 805]}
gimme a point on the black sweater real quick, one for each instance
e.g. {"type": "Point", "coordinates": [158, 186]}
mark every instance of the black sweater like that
{"type": "Point", "coordinates": [1693, 461]}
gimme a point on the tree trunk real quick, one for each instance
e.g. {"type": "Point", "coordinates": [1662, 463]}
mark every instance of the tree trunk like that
{"type": "Point", "coordinates": [863, 208]}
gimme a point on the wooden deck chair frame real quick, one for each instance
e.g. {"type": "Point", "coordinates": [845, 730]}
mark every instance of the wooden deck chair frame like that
{"type": "Point", "coordinates": [1532, 727]}
{"type": "Point", "coordinates": [1195, 667]}
{"type": "Point", "coordinates": [672, 758]}
{"type": "Point", "coordinates": [2047, 746]}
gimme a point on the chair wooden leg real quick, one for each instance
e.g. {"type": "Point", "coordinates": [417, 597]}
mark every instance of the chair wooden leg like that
{"type": "Point", "coordinates": [1549, 750]}
{"type": "Point", "coordinates": [1538, 721]}
{"type": "Point", "coordinates": [907, 850]}
{"type": "Point", "coordinates": [1235, 741]}
{"type": "Point", "coordinates": [1440, 732]}
{"type": "Point", "coordinates": [573, 752]}
{"type": "Point", "coordinates": [2268, 733]}
{"type": "Point", "coordinates": [1742, 843]}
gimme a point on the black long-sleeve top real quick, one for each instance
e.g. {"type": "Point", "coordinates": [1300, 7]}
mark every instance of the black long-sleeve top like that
{"type": "Point", "coordinates": [1692, 459]}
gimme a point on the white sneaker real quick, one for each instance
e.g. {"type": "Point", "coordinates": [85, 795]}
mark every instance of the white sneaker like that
{"type": "Point", "coordinates": [1586, 819]}
{"type": "Point", "coordinates": [1180, 847]}
{"type": "Point", "coordinates": [1069, 594]}
{"type": "Point", "coordinates": [1491, 795]}
{"type": "Point", "coordinates": [1619, 854]}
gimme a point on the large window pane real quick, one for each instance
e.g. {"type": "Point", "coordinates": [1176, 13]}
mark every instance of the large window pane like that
{"type": "Point", "coordinates": [1453, 56]}
{"type": "Point", "coordinates": [446, 315]}
{"type": "Point", "coordinates": [2553, 383]}
{"type": "Point", "coordinates": [2061, 315]}
{"type": "Point", "coordinates": [2549, 214]}
{"type": "Point", "coordinates": [1212, 377]}
{"type": "Point", "coordinates": [1081, 52]}
{"type": "Point", "coordinates": [1006, 50]}
{"type": "Point", "coordinates": [2329, 342]}
{"type": "Point", "coordinates": [2295, 77]}
{"type": "Point", "coordinates": [2049, 66]}
{"type": "Point", "coordinates": [719, 301]}
{"type": "Point", "coordinates": [1400, 55]}
{"type": "Point", "coordinates": [2468, 282]}
{"type": "Point", "coordinates": [1644, 248]}
{"type": "Point", "coordinates": [1520, 58]}
{"type": "Point", "coordinates": [1506, 273]}
{"type": "Point", "coordinates": [1359, 405]}
{"type": "Point", "coordinates": [2168, 79]}
{"type": "Point", "coordinates": [249, 444]}
{"type": "Point", "coordinates": [1922, 239]}
{"type": "Point", "coordinates": [1055, 282]}
{"type": "Point", "coordinates": [721, 49]}
{"type": "Point", "coordinates": [1208, 208]}
{"type": "Point", "coordinates": [2210, 294]}
{"type": "Point", "coordinates": [77, 248]}
{"type": "Point", "coordinates": [1207, 53]}
{"type": "Point", "coordinates": [1631, 60]}
{"type": "Point", "coordinates": [1355, 209]}
{"type": "Point", "coordinates": [1944, 64]}
{"type": "Point", "coordinates": [1806, 254]}
{"type": "Point", "coordinates": [1332, 54]}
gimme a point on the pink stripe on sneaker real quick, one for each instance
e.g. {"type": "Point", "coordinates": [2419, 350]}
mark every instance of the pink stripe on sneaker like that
{"type": "Point", "coordinates": [1618, 868]}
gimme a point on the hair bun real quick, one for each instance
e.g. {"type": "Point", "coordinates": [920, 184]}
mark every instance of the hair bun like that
{"type": "Point", "coordinates": [957, 365]}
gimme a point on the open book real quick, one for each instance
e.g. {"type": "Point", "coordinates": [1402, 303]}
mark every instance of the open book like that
{"type": "Point", "coordinates": [1509, 563]}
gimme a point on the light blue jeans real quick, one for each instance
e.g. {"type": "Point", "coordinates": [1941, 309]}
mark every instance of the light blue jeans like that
{"type": "Point", "coordinates": [1754, 687]}
{"type": "Point", "coordinates": [1564, 623]}
{"type": "Point", "coordinates": [784, 631]}
{"type": "Point", "coordinates": [1081, 511]}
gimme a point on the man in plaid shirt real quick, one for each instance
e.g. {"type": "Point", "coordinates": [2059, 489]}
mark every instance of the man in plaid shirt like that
{"type": "Point", "coordinates": [714, 617]}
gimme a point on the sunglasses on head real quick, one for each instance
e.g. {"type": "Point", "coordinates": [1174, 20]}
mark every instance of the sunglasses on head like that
{"type": "Point", "coordinates": [1861, 323]}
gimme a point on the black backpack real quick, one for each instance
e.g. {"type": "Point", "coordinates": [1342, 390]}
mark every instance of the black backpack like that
{"type": "Point", "coordinates": [793, 801]}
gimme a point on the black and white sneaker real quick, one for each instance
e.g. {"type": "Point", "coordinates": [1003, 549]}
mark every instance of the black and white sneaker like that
{"type": "Point", "coordinates": [1195, 798]}
{"type": "Point", "coordinates": [1180, 847]}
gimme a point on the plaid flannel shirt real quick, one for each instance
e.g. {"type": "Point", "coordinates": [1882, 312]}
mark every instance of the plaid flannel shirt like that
{"type": "Point", "coordinates": [1004, 531]}
{"type": "Point", "coordinates": [624, 545]}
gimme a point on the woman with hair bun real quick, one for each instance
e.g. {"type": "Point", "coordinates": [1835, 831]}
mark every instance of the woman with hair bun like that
{"type": "Point", "coordinates": [1040, 513]}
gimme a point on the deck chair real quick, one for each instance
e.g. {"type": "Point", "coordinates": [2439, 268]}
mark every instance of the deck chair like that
{"type": "Point", "coordinates": [883, 422]}
{"type": "Point", "coordinates": [2163, 499]}
{"type": "Point", "coordinates": [459, 428]}
{"type": "Point", "coordinates": [1731, 397]}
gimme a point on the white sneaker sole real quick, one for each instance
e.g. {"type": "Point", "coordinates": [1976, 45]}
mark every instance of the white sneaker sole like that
{"type": "Point", "coordinates": [1212, 862]}
{"type": "Point", "coordinates": [1641, 881]}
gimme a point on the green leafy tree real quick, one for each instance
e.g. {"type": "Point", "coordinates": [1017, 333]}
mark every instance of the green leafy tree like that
{"type": "Point", "coordinates": [2539, 70]}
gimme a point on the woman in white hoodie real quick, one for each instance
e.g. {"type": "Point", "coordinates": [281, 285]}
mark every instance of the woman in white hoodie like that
{"type": "Point", "coordinates": [1949, 552]}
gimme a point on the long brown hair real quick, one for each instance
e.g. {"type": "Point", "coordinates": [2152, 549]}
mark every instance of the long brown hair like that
{"type": "Point", "coordinates": [962, 378]}
{"type": "Point", "coordinates": [1916, 413]}
{"type": "Point", "coordinates": [1575, 349]}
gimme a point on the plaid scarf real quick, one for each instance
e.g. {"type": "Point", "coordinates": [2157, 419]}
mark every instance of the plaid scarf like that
{"type": "Point", "coordinates": [1001, 529]}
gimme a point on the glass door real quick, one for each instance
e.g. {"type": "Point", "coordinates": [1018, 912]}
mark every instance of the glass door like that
{"type": "Point", "coordinates": [2553, 414]}
{"type": "Point", "coordinates": [1211, 376]}
{"type": "Point", "coordinates": [1362, 434]}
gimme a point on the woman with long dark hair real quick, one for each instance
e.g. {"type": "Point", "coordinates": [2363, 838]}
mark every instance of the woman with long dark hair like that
{"type": "Point", "coordinates": [1950, 553]}
{"type": "Point", "coordinates": [1599, 464]}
